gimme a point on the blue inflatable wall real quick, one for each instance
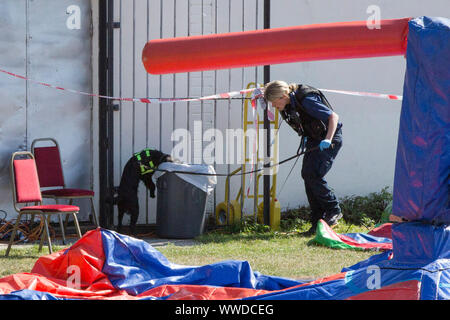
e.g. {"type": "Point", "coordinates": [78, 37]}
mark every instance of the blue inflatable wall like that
{"type": "Point", "coordinates": [421, 182]}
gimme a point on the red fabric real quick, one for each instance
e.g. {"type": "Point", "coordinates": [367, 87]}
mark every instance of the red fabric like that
{"type": "Point", "coordinates": [199, 292]}
{"type": "Point", "coordinates": [26, 180]}
{"type": "Point", "coordinates": [352, 242]}
{"type": "Point", "coordinates": [406, 290]}
{"type": "Point", "coordinates": [86, 254]}
{"type": "Point", "coordinates": [341, 40]}
{"type": "Point", "coordinates": [102, 289]}
{"type": "Point", "coordinates": [52, 208]}
{"type": "Point", "coordinates": [68, 193]}
{"type": "Point", "coordinates": [48, 163]}
{"type": "Point", "coordinates": [51, 273]}
{"type": "Point", "coordinates": [385, 231]}
{"type": "Point", "coordinates": [333, 277]}
{"type": "Point", "coordinates": [58, 288]}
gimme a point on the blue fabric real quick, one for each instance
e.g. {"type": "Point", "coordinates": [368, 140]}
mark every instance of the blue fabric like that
{"type": "Point", "coordinates": [353, 282]}
{"type": "Point", "coordinates": [135, 266]}
{"type": "Point", "coordinates": [370, 261]}
{"type": "Point", "coordinates": [421, 253]}
{"type": "Point", "coordinates": [367, 238]}
{"type": "Point", "coordinates": [444, 285]}
{"type": "Point", "coordinates": [330, 290]}
{"type": "Point", "coordinates": [422, 169]}
{"type": "Point", "coordinates": [419, 243]}
{"type": "Point", "coordinates": [29, 295]}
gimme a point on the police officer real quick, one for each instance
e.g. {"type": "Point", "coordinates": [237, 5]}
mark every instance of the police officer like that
{"type": "Point", "coordinates": [309, 113]}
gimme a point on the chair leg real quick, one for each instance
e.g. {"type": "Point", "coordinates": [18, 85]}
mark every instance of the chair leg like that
{"type": "Point", "coordinates": [49, 241]}
{"type": "Point", "coordinates": [94, 215]}
{"type": "Point", "coordinates": [32, 215]}
{"type": "Point", "coordinates": [61, 225]}
{"type": "Point", "coordinates": [77, 226]}
{"type": "Point", "coordinates": [45, 233]}
{"type": "Point", "coordinates": [41, 242]}
{"type": "Point", "coordinates": [13, 234]}
{"type": "Point", "coordinates": [68, 215]}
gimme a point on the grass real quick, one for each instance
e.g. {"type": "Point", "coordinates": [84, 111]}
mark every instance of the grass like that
{"type": "Point", "coordinates": [284, 253]}
{"type": "Point", "coordinates": [21, 258]}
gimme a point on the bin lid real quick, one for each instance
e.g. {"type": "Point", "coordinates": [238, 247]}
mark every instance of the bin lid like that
{"type": "Point", "coordinates": [205, 183]}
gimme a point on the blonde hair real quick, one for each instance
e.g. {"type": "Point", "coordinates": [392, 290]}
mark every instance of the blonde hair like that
{"type": "Point", "coordinates": [277, 89]}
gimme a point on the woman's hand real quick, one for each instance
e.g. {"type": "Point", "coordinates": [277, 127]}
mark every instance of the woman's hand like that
{"type": "Point", "coordinates": [324, 144]}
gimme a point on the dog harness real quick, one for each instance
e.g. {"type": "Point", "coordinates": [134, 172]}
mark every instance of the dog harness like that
{"type": "Point", "coordinates": [145, 161]}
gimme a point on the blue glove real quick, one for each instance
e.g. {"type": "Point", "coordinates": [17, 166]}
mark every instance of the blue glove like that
{"type": "Point", "coordinates": [324, 144]}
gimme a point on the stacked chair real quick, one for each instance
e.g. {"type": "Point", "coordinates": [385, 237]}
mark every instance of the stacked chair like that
{"type": "Point", "coordinates": [26, 189]}
{"type": "Point", "coordinates": [51, 176]}
{"type": "Point", "coordinates": [39, 174]}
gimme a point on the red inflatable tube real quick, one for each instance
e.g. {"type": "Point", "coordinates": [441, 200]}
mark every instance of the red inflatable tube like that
{"type": "Point", "coordinates": [343, 40]}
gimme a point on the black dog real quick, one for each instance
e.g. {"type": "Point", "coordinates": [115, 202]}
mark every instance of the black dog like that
{"type": "Point", "coordinates": [140, 167]}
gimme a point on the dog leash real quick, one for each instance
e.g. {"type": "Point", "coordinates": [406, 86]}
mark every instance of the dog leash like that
{"type": "Point", "coordinates": [301, 148]}
{"type": "Point", "coordinates": [266, 166]}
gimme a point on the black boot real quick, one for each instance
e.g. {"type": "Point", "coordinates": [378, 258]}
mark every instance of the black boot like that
{"type": "Point", "coordinates": [332, 219]}
{"type": "Point", "coordinates": [311, 231]}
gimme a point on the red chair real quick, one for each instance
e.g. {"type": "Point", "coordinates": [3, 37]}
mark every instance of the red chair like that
{"type": "Point", "coordinates": [50, 172]}
{"type": "Point", "coordinates": [26, 189]}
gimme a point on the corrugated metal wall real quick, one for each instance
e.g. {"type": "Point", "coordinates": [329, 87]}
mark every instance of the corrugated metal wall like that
{"type": "Point", "coordinates": [139, 125]}
{"type": "Point", "coordinates": [46, 40]}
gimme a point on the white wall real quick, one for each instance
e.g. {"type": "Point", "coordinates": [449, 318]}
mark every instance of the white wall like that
{"type": "Point", "coordinates": [36, 42]}
{"type": "Point", "coordinates": [366, 162]}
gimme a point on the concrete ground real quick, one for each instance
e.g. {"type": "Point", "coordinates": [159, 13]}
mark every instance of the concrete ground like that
{"type": "Point", "coordinates": [155, 242]}
{"type": "Point", "coordinates": [150, 237]}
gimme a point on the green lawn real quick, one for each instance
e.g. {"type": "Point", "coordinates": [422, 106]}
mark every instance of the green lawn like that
{"type": "Point", "coordinates": [284, 255]}
{"type": "Point", "coordinates": [281, 254]}
{"type": "Point", "coordinates": [21, 258]}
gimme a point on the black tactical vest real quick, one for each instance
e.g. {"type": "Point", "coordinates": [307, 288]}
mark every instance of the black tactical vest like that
{"type": "Point", "coordinates": [296, 116]}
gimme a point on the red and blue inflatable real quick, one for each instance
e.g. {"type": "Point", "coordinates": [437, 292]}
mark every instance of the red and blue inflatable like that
{"type": "Point", "coordinates": [106, 265]}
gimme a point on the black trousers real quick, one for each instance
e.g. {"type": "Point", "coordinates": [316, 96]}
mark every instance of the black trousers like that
{"type": "Point", "coordinates": [316, 164]}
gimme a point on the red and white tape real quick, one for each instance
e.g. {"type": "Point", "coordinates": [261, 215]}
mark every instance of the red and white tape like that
{"type": "Point", "coordinates": [366, 94]}
{"type": "Point", "coordinates": [225, 95]}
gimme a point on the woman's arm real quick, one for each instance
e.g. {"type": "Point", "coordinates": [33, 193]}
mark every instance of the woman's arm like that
{"type": "Point", "coordinates": [333, 120]}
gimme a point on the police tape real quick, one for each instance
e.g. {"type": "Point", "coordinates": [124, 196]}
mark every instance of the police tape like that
{"type": "Point", "coordinates": [225, 95]}
{"type": "Point", "coordinates": [366, 94]}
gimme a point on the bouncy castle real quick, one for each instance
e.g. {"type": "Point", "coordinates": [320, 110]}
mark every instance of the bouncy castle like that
{"type": "Point", "coordinates": [115, 266]}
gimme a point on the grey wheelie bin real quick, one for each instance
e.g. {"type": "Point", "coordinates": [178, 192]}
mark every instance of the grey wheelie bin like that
{"type": "Point", "coordinates": [180, 208]}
